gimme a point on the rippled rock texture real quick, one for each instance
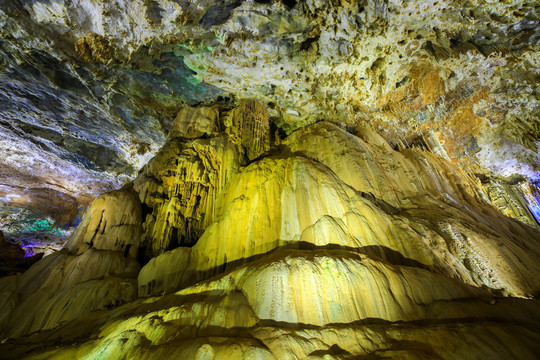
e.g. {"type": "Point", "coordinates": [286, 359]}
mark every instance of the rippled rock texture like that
{"type": "Point", "coordinates": [234, 242]}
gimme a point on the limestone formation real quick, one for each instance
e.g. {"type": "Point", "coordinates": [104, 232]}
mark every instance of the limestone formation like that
{"type": "Point", "coordinates": [298, 203]}
{"type": "Point", "coordinates": [90, 88]}
{"type": "Point", "coordinates": [195, 122]}
{"type": "Point", "coordinates": [94, 48]}
{"type": "Point", "coordinates": [113, 223]}
{"type": "Point", "coordinates": [96, 269]}
{"type": "Point", "coordinates": [318, 179]}
{"type": "Point", "coordinates": [511, 200]}
{"type": "Point", "coordinates": [180, 186]}
{"type": "Point", "coordinates": [248, 126]}
{"type": "Point", "coordinates": [331, 244]}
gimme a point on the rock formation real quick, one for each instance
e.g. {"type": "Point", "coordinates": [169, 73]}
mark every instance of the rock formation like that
{"type": "Point", "coordinates": [319, 179]}
{"type": "Point", "coordinates": [89, 89]}
{"type": "Point", "coordinates": [182, 182]}
{"type": "Point", "coordinates": [233, 242]}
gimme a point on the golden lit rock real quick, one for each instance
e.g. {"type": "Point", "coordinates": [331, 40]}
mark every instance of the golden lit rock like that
{"type": "Point", "coordinates": [97, 269]}
{"type": "Point", "coordinates": [195, 122]}
{"type": "Point", "coordinates": [509, 199]}
{"type": "Point", "coordinates": [181, 185]}
{"type": "Point", "coordinates": [329, 287]}
{"type": "Point", "coordinates": [370, 165]}
{"type": "Point", "coordinates": [113, 222]}
{"type": "Point", "coordinates": [63, 287]}
{"type": "Point", "coordinates": [294, 179]}
{"type": "Point", "coordinates": [248, 126]}
{"type": "Point", "coordinates": [166, 272]}
{"type": "Point", "coordinates": [334, 245]}
{"type": "Point", "coordinates": [94, 48]}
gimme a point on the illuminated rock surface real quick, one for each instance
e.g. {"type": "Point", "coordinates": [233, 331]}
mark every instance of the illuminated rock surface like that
{"type": "Point", "coordinates": [89, 89]}
{"type": "Point", "coordinates": [324, 244]}
{"type": "Point", "coordinates": [379, 199]}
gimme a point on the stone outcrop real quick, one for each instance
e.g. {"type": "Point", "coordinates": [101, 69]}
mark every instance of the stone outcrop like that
{"type": "Point", "coordinates": [325, 244]}
{"type": "Point", "coordinates": [94, 48]}
{"type": "Point", "coordinates": [97, 269]}
{"type": "Point", "coordinates": [182, 182]}
{"type": "Point", "coordinates": [180, 185]}
{"type": "Point", "coordinates": [112, 223]}
{"type": "Point", "coordinates": [13, 259]}
{"type": "Point", "coordinates": [195, 122]}
{"type": "Point", "coordinates": [248, 126]}
{"type": "Point", "coordinates": [513, 200]}
{"type": "Point", "coordinates": [8, 250]}
{"type": "Point", "coordinates": [420, 217]}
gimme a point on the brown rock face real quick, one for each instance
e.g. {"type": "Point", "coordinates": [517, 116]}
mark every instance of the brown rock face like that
{"type": "Point", "coordinates": [9, 251]}
{"type": "Point", "coordinates": [330, 245]}
{"type": "Point", "coordinates": [12, 258]}
{"type": "Point", "coordinates": [248, 126]}
{"type": "Point", "coordinates": [94, 48]}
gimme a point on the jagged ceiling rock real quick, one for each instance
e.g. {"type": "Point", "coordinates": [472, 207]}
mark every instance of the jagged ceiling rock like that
{"type": "Point", "coordinates": [73, 129]}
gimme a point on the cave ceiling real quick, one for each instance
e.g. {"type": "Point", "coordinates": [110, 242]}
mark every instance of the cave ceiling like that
{"type": "Point", "coordinates": [90, 88]}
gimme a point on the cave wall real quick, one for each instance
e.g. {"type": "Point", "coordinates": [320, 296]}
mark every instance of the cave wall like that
{"type": "Point", "coordinates": [234, 242]}
{"type": "Point", "coordinates": [269, 179]}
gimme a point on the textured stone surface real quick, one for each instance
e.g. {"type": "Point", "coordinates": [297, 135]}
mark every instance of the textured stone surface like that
{"type": "Point", "coordinates": [91, 88]}
{"type": "Point", "coordinates": [379, 199]}
{"type": "Point", "coordinates": [62, 287]}
{"type": "Point", "coordinates": [113, 222]}
{"type": "Point", "coordinates": [298, 257]}
{"type": "Point", "coordinates": [511, 200]}
{"type": "Point", "coordinates": [427, 221]}
{"type": "Point", "coordinates": [195, 122]}
{"type": "Point", "coordinates": [9, 250]}
{"type": "Point", "coordinates": [248, 126]}
{"type": "Point", "coordinates": [180, 186]}
{"type": "Point", "coordinates": [96, 269]}
{"type": "Point", "coordinates": [214, 317]}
